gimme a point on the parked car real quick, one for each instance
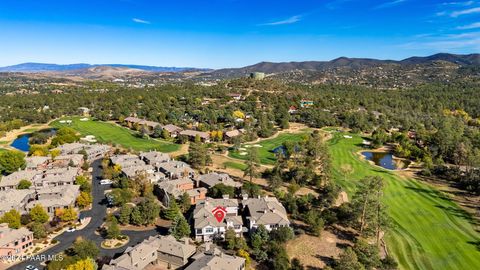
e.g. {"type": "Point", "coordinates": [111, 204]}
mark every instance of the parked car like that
{"type": "Point", "coordinates": [71, 229]}
{"type": "Point", "coordinates": [106, 182]}
{"type": "Point", "coordinates": [31, 267]}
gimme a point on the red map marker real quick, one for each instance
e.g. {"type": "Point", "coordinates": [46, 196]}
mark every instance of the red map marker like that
{"type": "Point", "coordinates": [219, 213]}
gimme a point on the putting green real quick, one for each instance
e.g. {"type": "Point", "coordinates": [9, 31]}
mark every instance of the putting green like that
{"type": "Point", "coordinates": [109, 133]}
{"type": "Point", "coordinates": [430, 231]}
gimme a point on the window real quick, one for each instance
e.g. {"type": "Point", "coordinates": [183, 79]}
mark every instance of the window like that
{"type": "Point", "coordinates": [209, 230]}
{"type": "Point", "coordinates": [199, 231]}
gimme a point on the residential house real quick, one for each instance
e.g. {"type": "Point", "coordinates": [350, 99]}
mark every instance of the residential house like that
{"type": "Point", "coordinates": [176, 169]}
{"type": "Point", "coordinates": [214, 259]}
{"type": "Point", "coordinates": [14, 241]}
{"type": "Point", "coordinates": [154, 157]}
{"type": "Point", "coordinates": [176, 188]}
{"type": "Point", "coordinates": [172, 130]}
{"type": "Point", "coordinates": [134, 258]}
{"type": "Point", "coordinates": [92, 151]}
{"type": "Point", "coordinates": [84, 111]}
{"type": "Point", "coordinates": [11, 181]}
{"type": "Point", "coordinates": [192, 135]}
{"type": "Point", "coordinates": [35, 163]}
{"type": "Point", "coordinates": [267, 211]}
{"type": "Point", "coordinates": [231, 134]}
{"type": "Point", "coordinates": [235, 96]}
{"type": "Point", "coordinates": [148, 126]}
{"type": "Point", "coordinates": [292, 110]}
{"type": "Point", "coordinates": [211, 179]}
{"type": "Point", "coordinates": [53, 198]}
{"type": "Point", "coordinates": [207, 227]}
{"type": "Point", "coordinates": [164, 251]}
{"type": "Point", "coordinates": [15, 199]}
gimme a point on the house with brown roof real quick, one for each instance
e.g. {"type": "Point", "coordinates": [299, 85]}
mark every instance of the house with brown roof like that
{"type": "Point", "coordinates": [14, 241]}
{"type": "Point", "coordinates": [176, 188]}
{"type": "Point", "coordinates": [172, 130]}
{"type": "Point", "coordinates": [192, 134]}
{"type": "Point", "coordinates": [231, 134]}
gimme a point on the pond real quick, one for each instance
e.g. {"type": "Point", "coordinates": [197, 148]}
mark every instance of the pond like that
{"type": "Point", "coordinates": [22, 142]}
{"type": "Point", "coordinates": [385, 160]}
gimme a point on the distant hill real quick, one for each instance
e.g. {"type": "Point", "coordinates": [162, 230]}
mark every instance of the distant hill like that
{"type": "Point", "coordinates": [42, 67]}
{"type": "Point", "coordinates": [344, 62]}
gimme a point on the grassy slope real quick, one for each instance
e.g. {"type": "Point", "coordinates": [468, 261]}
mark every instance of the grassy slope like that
{"type": "Point", "coordinates": [266, 156]}
{"type": "Point", "coordinates": [110, 133]}
{"type": "Point", "coordinates": [431, 232]}
{"type": "Point", "coordinates": [235, 165]}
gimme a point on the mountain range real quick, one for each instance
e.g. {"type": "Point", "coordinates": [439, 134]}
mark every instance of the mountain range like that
{"type": "Point", "coordinates": [351, 63]}
{"type": "Point", "coordinates": [42, 67]}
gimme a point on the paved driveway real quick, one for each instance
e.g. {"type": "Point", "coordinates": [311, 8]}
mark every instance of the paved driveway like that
{"type": "Point", "coordinates": [98, 214]}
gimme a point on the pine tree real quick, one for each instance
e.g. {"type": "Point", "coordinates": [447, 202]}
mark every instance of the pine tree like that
{"type": "Point", "coordinates": [172, 211]}
{"type": "Point", "coordinates": [180, 227]}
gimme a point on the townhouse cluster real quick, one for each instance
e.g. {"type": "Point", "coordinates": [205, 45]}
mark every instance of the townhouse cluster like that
{"type": "Point", "coordinates": [174, 178]}
{"type": "Point", "coordinates": [52, 180]}
{"type": "Point", "coordinates": [166, 252]}
{"type": "Point", "coordinates": [176, 131]}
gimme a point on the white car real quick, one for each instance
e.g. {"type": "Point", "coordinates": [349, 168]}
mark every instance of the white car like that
{"type": "Point", "coordinates": [71, 229]}
{"type": "Point", "coordinates": [105, 182]}
{"type": "Point", "coordinates": [31, 267]}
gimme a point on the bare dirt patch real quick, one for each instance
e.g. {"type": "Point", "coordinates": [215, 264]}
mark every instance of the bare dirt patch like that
{"type": "Point", "coordinates": [316, 252]}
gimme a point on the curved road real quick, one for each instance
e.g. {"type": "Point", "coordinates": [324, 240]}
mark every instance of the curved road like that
{"type": "Point", "coordinates": [97, 214]}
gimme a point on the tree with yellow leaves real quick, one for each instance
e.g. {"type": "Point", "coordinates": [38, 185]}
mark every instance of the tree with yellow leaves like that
{"type": "Point", "coordinates": [84, 199]}
{"type": "Point", "coordinates": [66, 215]}
{"type": "Point", "coordinates": [238, 114]}
{"type": "Point", "coordinates": [86, 264]}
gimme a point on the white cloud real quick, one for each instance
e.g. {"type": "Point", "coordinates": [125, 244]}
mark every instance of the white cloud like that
{"type": "Point", "coordinates": [465, 12]}
{"type": "Point", "coordinates": [390, 4]}
{"type": "Point", "coordinates": [470, 26]}
{"type": "Point", "coordinates": [290, 20]}
{"type": "Point", "coordinates": [465, 41]}
{"type": "Point", "coordinates": [140, 21]}
{"type": "Point", "coordinates": [466, 3]}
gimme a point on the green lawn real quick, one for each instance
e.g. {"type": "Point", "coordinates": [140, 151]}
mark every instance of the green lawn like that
{"type": "Point", "coordinates": [110, 133]}
{"type": "Point", "coordinates": [265, 151]}
{"type": "Point", "coordinates": [430, 231]}
{"type": "Point", "coordinates": [235, 165]}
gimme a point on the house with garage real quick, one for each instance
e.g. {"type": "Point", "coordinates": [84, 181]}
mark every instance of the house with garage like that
{"type": "Point", "coordinates": [206, 225]}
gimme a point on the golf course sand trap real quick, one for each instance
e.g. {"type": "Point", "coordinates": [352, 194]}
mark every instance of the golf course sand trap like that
{"type": "Point", "coordinates": [257, 145]}
{"type": "Point", "coordinates": [243, 153]}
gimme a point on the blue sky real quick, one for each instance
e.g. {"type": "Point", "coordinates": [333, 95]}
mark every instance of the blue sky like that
{"type": "Point", "coordinates": [232, 33]}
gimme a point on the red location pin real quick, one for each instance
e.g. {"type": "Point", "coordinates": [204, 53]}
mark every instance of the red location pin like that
{"type": "Point", "coordinates": [219, 213]}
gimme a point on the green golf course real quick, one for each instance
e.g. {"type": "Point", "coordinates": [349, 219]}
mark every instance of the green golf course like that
{"type": "Point", "coordinates": [266, 146]}
{"type": "Point", "coordinates": [109, 133]}
{"type": "Point", "coordinates": [430, 231]}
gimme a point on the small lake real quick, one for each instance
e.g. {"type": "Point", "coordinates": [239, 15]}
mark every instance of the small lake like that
{"type": "Point", "coordinates": [22, 142]}
{"type": "Point", "coordinates": [385, 160]}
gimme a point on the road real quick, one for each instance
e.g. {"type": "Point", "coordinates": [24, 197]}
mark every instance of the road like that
{"type": "Point", "coordinates": [97, 214]}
